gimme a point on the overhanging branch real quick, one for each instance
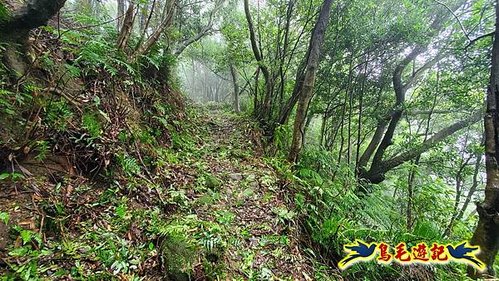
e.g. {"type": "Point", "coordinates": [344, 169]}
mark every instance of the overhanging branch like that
{"type": "Point", "coordinates": [377, 172]}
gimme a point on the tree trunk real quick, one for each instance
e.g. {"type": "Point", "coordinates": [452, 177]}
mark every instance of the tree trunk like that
{"type": "Point", "coordinates": [487, 231]}
{"type": "Point", "coordinates": [400, 88]}
{"type": "Point", "coordinates": [126, 29]}
{"type": "Point", "coordinates": [168, 14]}
{"type": "Point", "coordinates": [400, 91]}
{"type": "Point", "coordinates": [15, 29]}
{"type": "Point", "coordinates": [145, 23]}
{"type": "Point", "coordinates": [359, 121]}
{"type": "Point", "coordinates": [456, 213]}
{"type": "Point", "coordinates": [26, 17]}
{"type": "Point", "coordinates": [120, 13]}
{"type": "Point", "coordinates": [377, 173]}
{"type": "Point", "coordinates": [264, 111]}
{"type": "Point", "coordinates": [307, 90]}
{"type": "Point", "coordinates": [472, 190]}
{"type": "Point", "coordinates": [256, 111]}
{"type": "Point", "coordinates": [233, 72]}
{"type": "Point", "coordinates": [373, 144]}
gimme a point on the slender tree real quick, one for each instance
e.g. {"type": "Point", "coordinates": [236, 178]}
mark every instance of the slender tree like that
{"type": "Point", "coordinates": [307, 88]}
{"type": "Point", "coordinates": [487, 231]}
{"type": "Point", "coordinates": [233, 72]}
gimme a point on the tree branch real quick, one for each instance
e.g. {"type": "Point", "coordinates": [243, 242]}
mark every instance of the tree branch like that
{"type": "Point", "coordinates": [456, 17]}
{"type": "Point", "coordinates": [377, 172]}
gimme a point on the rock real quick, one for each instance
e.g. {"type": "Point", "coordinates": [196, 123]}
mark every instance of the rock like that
{"type": "Point", "coordinates": [236, 177]}
{"type": "Point", "coordinates": [212, 182]}
{"type": "Point", "coordinates": [254, 184]}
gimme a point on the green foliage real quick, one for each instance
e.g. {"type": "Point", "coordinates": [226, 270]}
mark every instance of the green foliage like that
{"type": "Point", "coordinates": [178, 248]}
{"type": "Point", "coordinates": [10, 102]}
{"type": "Point", "coordinates": [4, 217]}
{"type": "Point", "coordinates": [326, 206]}
{"type": "Point", "coordinates": [95, 54]}
{"type": "Point", "coordinates": [365, 41]}
{"type": "Point", "coordinates": [91, 123]}
{"type": "Point", "coordinates": [121, 210]}
{"type": "Point", "coordinates": [209, 181]}
{"type": "Point", "coordinates": [42, 148]}
{"type": "Point", "coordinates": [14, 176]}
{"type": "Point", "coordinates": [4, 14]}
{"type": "Point", "coordinates": [282, 138]}
{"type": "Point", "coordinates": [97, 51]}
{"type": "Point", "coordinates": [58, 114]}
{"type": "Point", "coordinates": [31, 249]}
{"type": "Point", "coordinates": [128, 164]}
{"type": "Point", "coordinates": [284, 215]}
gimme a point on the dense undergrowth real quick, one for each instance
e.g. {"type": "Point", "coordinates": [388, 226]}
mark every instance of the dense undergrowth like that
{"type": "Point", "coordinates": [327, 195]}
{"type": "Point", "coordinates": [106, 174]}
{"type": "Point", "coordinates": [84, 146]}
{"type": "Point", "coordinates": [333, 213]}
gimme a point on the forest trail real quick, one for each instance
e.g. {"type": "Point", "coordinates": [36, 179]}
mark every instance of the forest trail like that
{"type": "Point", "coordinates": [219, 212]}
{"type": "Point", "coordinates": [249, 205]}
{"type": "Point", "coordinates": [109, 170]}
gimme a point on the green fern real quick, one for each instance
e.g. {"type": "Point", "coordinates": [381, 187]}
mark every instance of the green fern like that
{"type": "Point", "coordinates": [4, 14]}
{"type": "Point", "coordinates": [6, 103]}
{"type": "Point", "coordinates": [282, 138]}
{"type": "Point", "coordinates": [58, 114]}
{"type": "Point", "coordinates": [43, 149]}
{"type": "Point", "coordinates": [129, 165]}
{"type": "Point", "coordinates": [91, 123]}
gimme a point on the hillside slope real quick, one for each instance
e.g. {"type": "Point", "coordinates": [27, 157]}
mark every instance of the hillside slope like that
{"type": "Point", "coordinates": [214, 209]}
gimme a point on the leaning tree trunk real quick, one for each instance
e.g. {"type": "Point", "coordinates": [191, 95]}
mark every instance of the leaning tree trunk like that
{"type": "Point", "coordinates": [487, 231]}
{"type": "Point", "coordinates": [307, 89]}
{"type": "Point", "coordinates": [16, 20]}
{"type": "Point", "coordinates": [20, 19]}
{"type": "Point", "coordinates": [264, 111]}
{"type": "Point", "coordinates": [127, 27]}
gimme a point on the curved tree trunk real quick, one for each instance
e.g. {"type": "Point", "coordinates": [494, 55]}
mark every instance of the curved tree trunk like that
{"type": "Point", "coordinates": [383, 139]}
{"type": "Point", "coordinates": [265, 110]}
{"type": "Point", "coordinates": [377, 173]}
{"type": "Point", "coordinates": [487, 231]}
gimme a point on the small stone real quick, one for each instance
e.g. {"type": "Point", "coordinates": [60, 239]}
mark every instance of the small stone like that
{"type": "Point", "coordinates": [236, 177]}
{"type": "Point", "coordinates": [212, 182]}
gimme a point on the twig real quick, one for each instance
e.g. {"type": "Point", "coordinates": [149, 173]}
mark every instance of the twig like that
{"type": "Point", "coordinates": [473, 41]}
{"type": "Point", "coordinates": [90, 26]}
{"type": "Point", "coordinates": [456, 17]}
{"type": "Point", "coordinates": [64, 95]}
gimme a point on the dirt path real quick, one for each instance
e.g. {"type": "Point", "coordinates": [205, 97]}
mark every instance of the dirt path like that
{"type": "Point", "coordinates": [219, 209]}
{"type": "Point", "coordinates": [260, 241]}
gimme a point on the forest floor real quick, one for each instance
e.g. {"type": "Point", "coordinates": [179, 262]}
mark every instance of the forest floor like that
{"type": "Point", "coordinates": [223, 214]}
{"type": "Point", "coordinates": [251, 204]}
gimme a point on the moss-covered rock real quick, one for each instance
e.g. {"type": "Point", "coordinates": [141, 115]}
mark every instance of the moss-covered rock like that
{"type": "Point", "coordinates": [212, 182]}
